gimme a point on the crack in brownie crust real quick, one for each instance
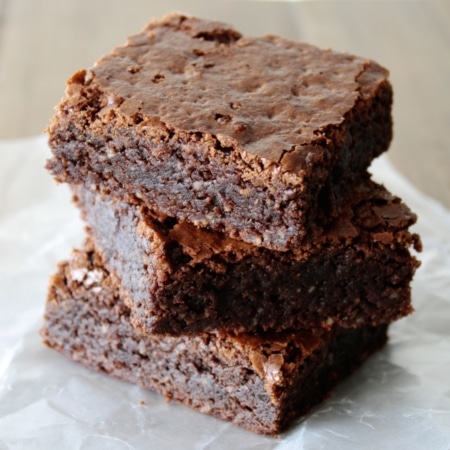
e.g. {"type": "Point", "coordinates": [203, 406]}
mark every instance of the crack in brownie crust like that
{"type": "Point", "coordinates": [254, 137]}
{"type": "Point", "coordinates": [260, 383]}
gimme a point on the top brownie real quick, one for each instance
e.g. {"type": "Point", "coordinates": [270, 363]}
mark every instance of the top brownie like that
{"type": "Point", "coordinates": [254, 137]}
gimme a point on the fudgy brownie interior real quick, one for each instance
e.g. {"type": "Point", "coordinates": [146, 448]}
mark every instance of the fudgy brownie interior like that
{"type": "Point", "coordinates": [178, 279]}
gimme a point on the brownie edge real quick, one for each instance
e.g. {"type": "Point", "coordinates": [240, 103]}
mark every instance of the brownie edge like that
{"type": "Point", "coordinates": [259, 383]}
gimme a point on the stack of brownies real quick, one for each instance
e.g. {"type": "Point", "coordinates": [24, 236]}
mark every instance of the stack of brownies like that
{"type": "Point", "coordinates": [239, 259]}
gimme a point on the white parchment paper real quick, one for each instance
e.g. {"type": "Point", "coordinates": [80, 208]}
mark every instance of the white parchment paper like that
{"type": "Point", "coordinates": [400, 399]}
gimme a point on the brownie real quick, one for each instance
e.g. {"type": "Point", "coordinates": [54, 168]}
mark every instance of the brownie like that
{"type": "Point", "coordinates": [254, 137]}
{"type": "Point", "coordinates": [260, 383]}
{"type": "Point", "coordinates": [179, 279]}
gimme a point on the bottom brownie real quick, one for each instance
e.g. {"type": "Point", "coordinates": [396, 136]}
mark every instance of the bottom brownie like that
{"type": "Point", "coordinates": [260, 383]}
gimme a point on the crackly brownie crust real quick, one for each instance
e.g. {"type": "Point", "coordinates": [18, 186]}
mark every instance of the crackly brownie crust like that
{"type": "Point", "coordinates": [254, 137]}
{"type": "Point", "coordinates": [259, 383]}
{"type": "Point", "coordinates": [178, 279]}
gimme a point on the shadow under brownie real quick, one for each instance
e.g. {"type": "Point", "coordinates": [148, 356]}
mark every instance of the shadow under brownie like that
{"type": "Point", "coordinates": [178, 279]}
{"type": "Point", "coordinates": [260, 383]}
{"type": "Point", "coordinates": [254, 137]}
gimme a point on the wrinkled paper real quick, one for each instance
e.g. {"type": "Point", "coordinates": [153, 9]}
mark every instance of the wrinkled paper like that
{"type": "Point", "coordinates": [400, 399]}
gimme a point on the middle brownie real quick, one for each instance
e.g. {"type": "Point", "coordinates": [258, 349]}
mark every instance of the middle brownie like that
{"type": "Point", "coordinates": [178, 279]}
